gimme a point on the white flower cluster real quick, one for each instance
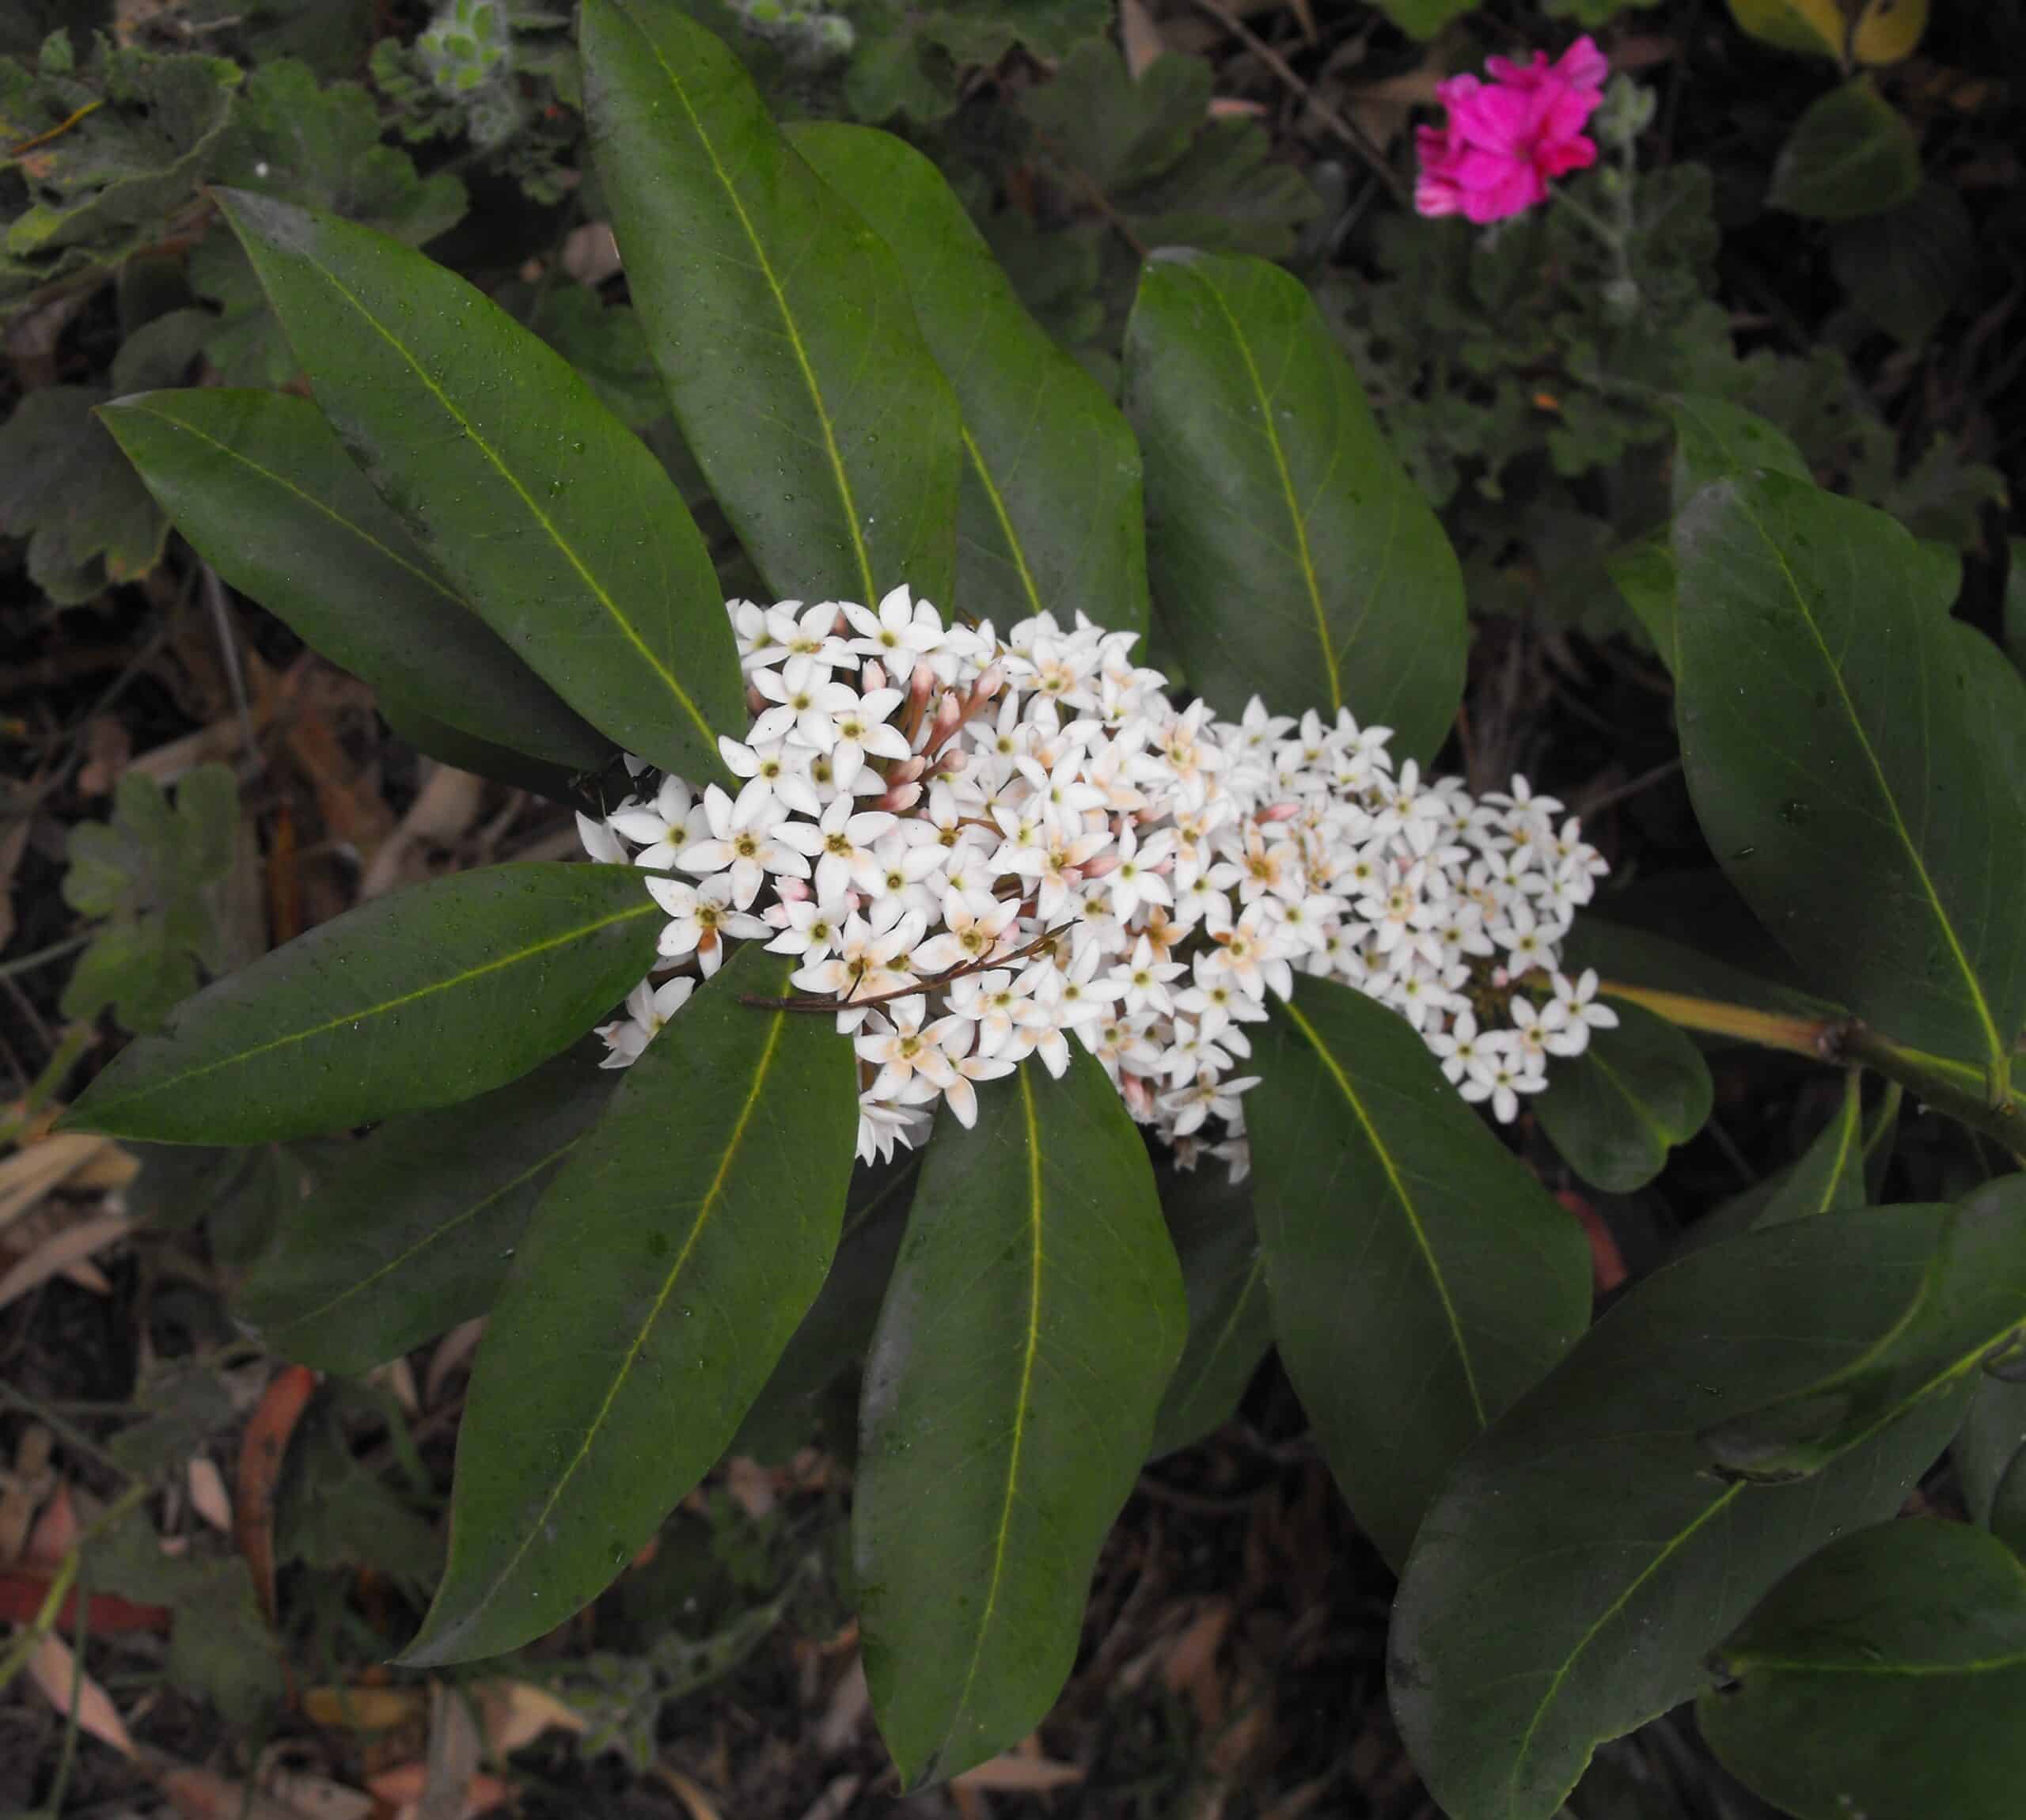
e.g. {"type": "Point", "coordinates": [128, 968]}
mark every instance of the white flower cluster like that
{"type": "Point", "coordinates": [980, 849]}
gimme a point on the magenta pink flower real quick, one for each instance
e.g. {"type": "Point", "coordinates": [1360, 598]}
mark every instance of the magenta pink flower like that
{"type": "Point", "coordinates": [1505, 138]}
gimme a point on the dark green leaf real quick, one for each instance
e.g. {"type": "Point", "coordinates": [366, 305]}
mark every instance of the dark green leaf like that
{"type": "Point", "coordinates": [259, 483]}
{"type": "Point", "coordinates": [1716, 440]}
{"type": "Point", "coordinates": [1231, 1323]}
{"type": "Point", "coordinates": [1990, 1460]}
{"type": "Point", "coordinates": [460, 751]}
{"type": "Point", "coordinates": [1974, 1301]}
{"type": "Point", "coordinates": [1850, 154]}
{"type": "Point", "coordinates": [1829, 1175]}
{"type": "Point", "coordinates": [1644, 574]}
{"type": "Point", "coordinates": [1904, 268]}
{"type": "Point", "coordinates": [1584, 1558]}
{"type": "Point", "coordinates": [1423, 18]}
{"type": "Point", "coordinates": [423, 998]}
{"type": "Point", "coordinates": [2015, 602]}
{"type": "Point", "coordinates": [1030, 1326]}
{"type": "Point", "coordinates": [834, 1334]}
{"type": "Point", "coordinates": [1048, 509]}
{"type": "Point", "coordinates": [1626, 956]}
{"type": "Point", "coordinates": [1291, 555]}
{"type": "Point", "coordinates": [1422, 1278]}
{"type": "Point", "coordinates": [413, 1231]}
{"type": "Point", "coordinates": [1617, 1110]}
{"type": "Point", "coordinates": [779, 321]}
{"type": "Point", "coordinates": [1848, 757]}
{"type": "Point", "coordinates": [664, 1271]}
{"type": "Point", "coordinates": [548, 516]}
{"type": "Point", "coordinates": [1885, 1678]}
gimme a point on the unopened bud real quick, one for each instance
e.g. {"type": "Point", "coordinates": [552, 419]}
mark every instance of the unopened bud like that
{"type": "Point", "coordinates": [875, 675]}
{"type": "Point", "coordinates": [901, 796]}
{"type": "Point", "coordinates": [1280, 811]}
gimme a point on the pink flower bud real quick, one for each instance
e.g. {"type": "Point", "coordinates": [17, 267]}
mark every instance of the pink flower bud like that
{"type": "Point", "coordinates": [903, 796]}
{"type": "Point", "coordinates": [875, 675]}
{"type": "Point", "coordinates": [1280, 811]}
{"type": "Point", "coordinates": [792, 890]}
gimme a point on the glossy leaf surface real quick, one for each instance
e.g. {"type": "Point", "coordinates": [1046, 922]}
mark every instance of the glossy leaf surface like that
{"type": "Point", "coordinates": [1049, 515]}
{"type": "Point", "coordinates": [413, 1230]}
{"type": "Point", "coordinates": [779, 321]}
{"type": "Point", "coordinates": [1029, 1331]}
{"type": "Point", "coordinates": [1855, 766]}
{"type": "Point", "coordinates": [1886, 1677]}
{"type": "Point", "coordinates": [1829, 1176]}
{"type": "Point", "coordinates": [1991, 1459]}
{"type": "Point", "coordinates": [661, 1275]}
{"type": "Point", "coordinates": [1230, 1323]}
{"type": "Point", "coordinates": [1585, 1556]}
{"type": "Point", "coordinates": [1617, 1110]}
{"type": "Point", "coordinates": [1290, 553]}
{"type": "Point", "coordinates": [1421, 1278]}
{"type": "Point", "coordinates": [545, 512]}
{"type": "Point", "coordinates": [836, 1332]}
{"type": "Point", "coordinates": [429, 996]}
{"type": "Point", "coordinates": [260, 484]}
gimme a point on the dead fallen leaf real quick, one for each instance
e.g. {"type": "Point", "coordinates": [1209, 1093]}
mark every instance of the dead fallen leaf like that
{"type": "Point", "coordinates": [23, 1591]}
{"type": "Point", "coordinates": [515, 1713]}
{"type": "Point", "coordinates": [397, 1377]}
{"type": "Point", "coordinates": [699, 1804]}
{"type": "Point", "coordinates": [55, 1671]}
{"type": "Point", "coordinates": [452, 1351]}
{"type": "Point", "coordinates": [33, 1171]}
{"type": "Point", "coordinates": [57, 1253]}
{"type": "Point", "coordinates": [590, 255]}
{"type": "Point", "coordinates": [401, 1789]}
{"type": "Point", "coordinates": [29, 1483]}
{"type": "Point", "coordinates": [201, 1795]}
{"type": "Point", "coordinates": [317, 1797]}
{"type": "Point", "coordinates": [261, 1451]}
{"type": "Point", "coordinates": [208, 1496]}
{"type": "Point", "coordinates": [1191, 1667]}
{"type": "Point", "coordinates": [840, 1792]}
{"type": "Point", "coordinates": [1139, 36]}
{"type": "Point", "coordinates": [444, 808]}
{"type": "Point", "coordinates": [55, 1531]}
{"type": "Point", "coordinates": [751, 1485]}
{"type": "Point", "coordinates": [454, 1749]}
{"type": "Point", "coordinates": [362, 1708]}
